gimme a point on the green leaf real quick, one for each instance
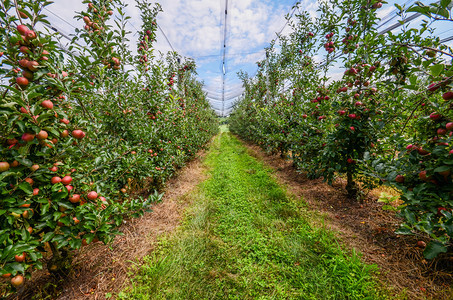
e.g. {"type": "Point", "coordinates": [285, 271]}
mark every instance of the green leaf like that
{"type": "Point", "coordinates": [440, 11]}
{"type": "Point", "coordinates": [441, 169]}
{"type": "Point", "coordinates": [18, 267]}
{"type": "Point", "coordinates": [389, 207]}
{"type": "Point", "coordinates": [45, 208]}
{"type": "Point", "coordinates": [433, 249]}
{"type": "Point", "coordinates": [410, 216]}
{"type": "Point", "coordinates": [25, 162]}
{"type": "Point", "coordinates": [75, 243]}
{"type": "Point", "coordinates": [47, 237]}
{"type": "Point", "coordinates": [404, 230]}
{"type": "Point", "coordinates": [26, 187]}
{"type": "Point", "coordinates": [61, 195]}
{"type": "Point", "coordinates": [448, 228]}
{"type": "Point", "coordinates": [9, 173]}
{"type": "Point", "coordinates": [436, 70]}
{"type": "Point", "coordinates": [424, 10]}
{"type": "Point", "coordinates": [9, 104]}
{"type": "Point", "coordinates": [445, 3]}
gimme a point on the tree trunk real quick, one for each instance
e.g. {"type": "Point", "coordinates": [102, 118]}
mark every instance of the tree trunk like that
{"type": "Point", "coordinates": [351, 186]}
{"type": "Point", "coordinates": [59, 264]}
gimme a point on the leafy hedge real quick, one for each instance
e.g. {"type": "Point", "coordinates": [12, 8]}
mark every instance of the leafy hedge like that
{"type": "Point", "coordinates": [84, 128]}
{"type": "Point", "coordinates": [384, 117]}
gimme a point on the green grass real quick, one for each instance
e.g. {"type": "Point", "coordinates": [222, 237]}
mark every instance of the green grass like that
{"type": "Point", "coordinates": [224, 128]}
{"type": "Point", "coordinates": [244, 238]}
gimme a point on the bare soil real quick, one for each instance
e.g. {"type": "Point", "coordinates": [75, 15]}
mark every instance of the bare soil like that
{"type": "Point", "coordinates": [99, 269]}
{"type": "Point", "coordinates": [367, 228]}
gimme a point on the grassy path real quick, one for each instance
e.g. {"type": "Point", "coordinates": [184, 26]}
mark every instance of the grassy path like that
{"type": "Point", "coordinates": [244, 238]}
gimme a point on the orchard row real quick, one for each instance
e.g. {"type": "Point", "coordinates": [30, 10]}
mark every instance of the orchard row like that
{"type": "Point", "coordinates": [385, 119]}
{"type": "Point", "coordinates": [87, 134]}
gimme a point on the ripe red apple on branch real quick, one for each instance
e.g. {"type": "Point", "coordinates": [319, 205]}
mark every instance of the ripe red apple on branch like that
{"type": "Point", "coordinates": [435, 116]}
{"type": "Point", "coordinates": [92, 195]}
{"type": "Point", "coordinates": [17, 280]}
{"type": "Point", "coordinates": [22, 81]}
{"type": "Point", "coordinates": [399, 178]}
{"type": "Point", "coordinates": [78, 134]}
{"type": "Point", "coordinates": [47, 104]}
{"type": "Point", "coordinates": [55, 180]}
{"type": "Point", "coordinates": [66, 180]}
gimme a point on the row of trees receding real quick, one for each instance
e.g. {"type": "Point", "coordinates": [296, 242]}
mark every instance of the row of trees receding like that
{"type": "Point", "coordinates": [85, 129]}
{"type": "Point", "coordinates": [385, 119]}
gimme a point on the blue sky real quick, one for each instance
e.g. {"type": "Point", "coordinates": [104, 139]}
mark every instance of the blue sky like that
{"type": "Point", "coordinates": [195, 29]}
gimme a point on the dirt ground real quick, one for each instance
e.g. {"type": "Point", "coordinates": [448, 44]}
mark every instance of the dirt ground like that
{"type": "Point", "coordinates": [370, 230]}
{"type": "Point", "coordinates": [99, 269]}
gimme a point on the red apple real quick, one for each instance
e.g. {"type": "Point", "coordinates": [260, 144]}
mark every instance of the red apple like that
{"type": "Point", "coordinates": [17, 280]}
{"type": "Point", "coordinates": [66, 180]}
{"type": "Point", "coordinates": [449, 126]}
{"type": "Point", "coordinates": [22, 81]}
{"type": "Point", "coordinates": [399, 178]}
{"type": "Point", "coordinates": [31, 65]}
{"type": "Point", "coordinates": [55, 180]}
{"type": "Point", "coordinates": [448, 95]}
{"type": "Point", "coordinates": [64, 133]}
{"type": "Point", "coordinates": [74, 198]}
{"type": "Point", "coordinates": [92, 195]}
{"type": "Point", "coordinates": [422, 175]}
{"type": "Point", "coordinates": [20, 258]}
{"type": "Point", "coordinates": [47, 104]}
{"type": "Point", "coordinates": [421, 244]}
{"type": "Point", "coordinates": [422, 151]}
{"type": "Point", "coordinates": [433, 87]}
{"type": "Point", "coordinates": [441, 131]}
{"type": "Point", "coordinates": [22, 29]}
{"type": "Point", "coordinates": [439, 211]}
{"type": "Point", "coordinates": [28, 137]}
{"type": "Point", "coordinates": [4, 166]}
{"type": "Point", "coordinates": [434, 116]}
{"type": "Point", "coordinates": [377, 5]}
{"type": "Point", "coordinates": [78, 134]}
{"type": "Point", "coordinates": [42, 135]}
{"type": "Point", "coordinates": [30, 35]}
